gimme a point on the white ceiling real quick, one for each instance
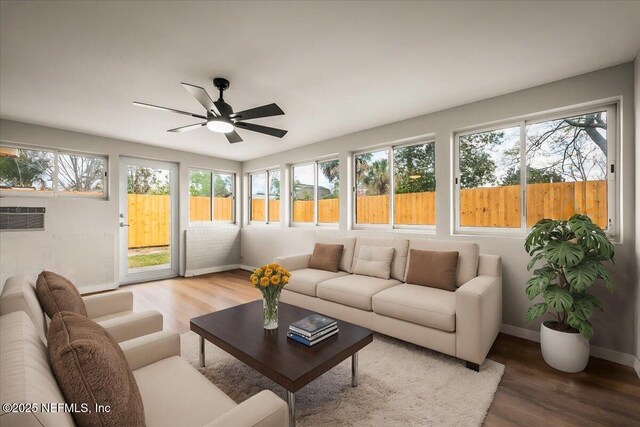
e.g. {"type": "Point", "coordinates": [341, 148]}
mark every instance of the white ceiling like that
{"type": "Point", "coordinates": [334, 68]}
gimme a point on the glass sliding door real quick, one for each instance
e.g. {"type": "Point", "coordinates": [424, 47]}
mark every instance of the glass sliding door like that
{"type": "Point", "coordinates": [148, 220]}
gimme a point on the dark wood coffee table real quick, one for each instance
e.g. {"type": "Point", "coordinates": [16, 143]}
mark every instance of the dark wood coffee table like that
{"type": "Point", "coordinates": [239, 332]}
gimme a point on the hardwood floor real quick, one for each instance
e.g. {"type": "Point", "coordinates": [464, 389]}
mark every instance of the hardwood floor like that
{"type": "Point", "coordinates": [531, 393]}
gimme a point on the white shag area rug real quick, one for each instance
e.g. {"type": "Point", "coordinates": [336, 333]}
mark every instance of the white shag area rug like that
{"type": "Point", "coordinates": [399, 384]}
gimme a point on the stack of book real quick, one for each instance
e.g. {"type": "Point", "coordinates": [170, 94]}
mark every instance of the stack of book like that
{"type": "Point", "coordinates": [312, 329]}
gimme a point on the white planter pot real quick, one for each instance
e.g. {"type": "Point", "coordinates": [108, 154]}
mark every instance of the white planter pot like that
{"type": "Point", "coordinates": [564, 351]}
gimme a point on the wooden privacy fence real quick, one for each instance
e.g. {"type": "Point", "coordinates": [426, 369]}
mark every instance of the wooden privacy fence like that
{"type": "Point", "coordinates": [149, 217]}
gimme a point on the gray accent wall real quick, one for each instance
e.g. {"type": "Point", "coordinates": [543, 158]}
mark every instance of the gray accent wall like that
{"type": "Point", "coordinates": [615, 329]}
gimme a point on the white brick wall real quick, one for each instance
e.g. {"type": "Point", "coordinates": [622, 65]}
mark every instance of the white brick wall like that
{"type": "Point", "coordinates": [211, 249]}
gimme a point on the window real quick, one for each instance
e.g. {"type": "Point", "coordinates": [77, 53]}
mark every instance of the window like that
{"type": "Point", "coordinates": [551, 167]}
{"type": "Point", "coordinates": [210, 196]}
{"type": "Point", "coordinates": [316, 196]}
{"type": "Point", "coordinates": [274, 195]}
{"type": "Point", "coordinates": [27, 171]}
{"type": "Point", "coordinates": [329, 191]}
{"type": "Point", "coordinates": [265, 186]}
{"type": "Point", "coordinates": [489, 193]}
{"type": "Point", "coordinates": [303, 193]}
{"type": "Point", "coordinates": [396, 186]}
{"type": "Point", "coordinates": [414, 184]}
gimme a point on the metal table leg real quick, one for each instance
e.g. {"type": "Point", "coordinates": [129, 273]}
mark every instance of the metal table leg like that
{"type": "Point", "coordinates": [354, 370]}
{"type": "Point", "coordinates": [291, 401]}
{"type": "Point", "coordinates": [201, 352]}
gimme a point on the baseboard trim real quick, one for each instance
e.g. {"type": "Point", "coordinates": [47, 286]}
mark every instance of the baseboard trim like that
{"type": "Point", "coordinates": [595, 351]}
{"type": "Point", "coordinates": [207, 270]}
{"type": "Point", "coordinates": [246, 267]}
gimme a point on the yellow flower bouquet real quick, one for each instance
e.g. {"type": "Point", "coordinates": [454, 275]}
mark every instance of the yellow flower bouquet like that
{"type": "Point", "coordinates": [270, 279]}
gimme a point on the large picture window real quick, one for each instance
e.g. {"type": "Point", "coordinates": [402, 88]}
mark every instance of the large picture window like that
{"type": "Point", "coordinates": [396, 186]}
{"type": "Point", "coordinates": [29, 172]}
{"type": "Point", "coordinates": [211, 196]}
{"type": "Point", "coordinates": [551, 167]}
{"type": "Point", "coordinates": [316, 192]}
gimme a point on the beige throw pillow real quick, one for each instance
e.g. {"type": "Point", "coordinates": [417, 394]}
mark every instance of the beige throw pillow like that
{"type": "Point", "coordinates": [374, 261]}
{"type": "Point", "coordinates": [91, 370]}
{"type": "Point", "coordinates": [433, 269]}
{"type": "Point", "coordinates": [326, 257]}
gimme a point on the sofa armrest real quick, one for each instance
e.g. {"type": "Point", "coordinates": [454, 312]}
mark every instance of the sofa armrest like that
{"type": "Point", "coordinates": [264, 409]}
{"type": "Point", "coordinates": [478, 317]}
{"type": "Point", "coordinates": [293, 262]}
{"type": "Point", "coordinates": [109, 303]}
{"type": "Point", "coordinates": [151, 348]}
{"type": "Point", "coordinates": [132, 325]}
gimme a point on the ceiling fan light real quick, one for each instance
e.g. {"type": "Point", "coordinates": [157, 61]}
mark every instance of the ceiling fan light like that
{"type": "Point", "coordinates": [220, 125]}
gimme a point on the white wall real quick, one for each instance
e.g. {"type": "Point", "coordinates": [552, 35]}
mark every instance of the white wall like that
{"type": "Point", "coordinates": [81, 238]}
{"type": "Point", "coordinates": [615, 328]}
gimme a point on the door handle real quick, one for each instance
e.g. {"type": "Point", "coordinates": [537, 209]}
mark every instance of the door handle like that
{"type": "Point", "coordinates": [122, 224]}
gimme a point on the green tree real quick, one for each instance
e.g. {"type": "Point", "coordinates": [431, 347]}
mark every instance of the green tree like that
{"type": "Point", "coordinates": [274, 187]}
{"type": "Point", "coordinates": [141, 180]}
{"type": "Point", "coordinates": [200, 183]}
{"type": "Point", "coordinates": [222, 186]}
{"type": "Point", "coordinates": [331, 170]}
{"type": "Point", "coordinates": [376, 178]}
{"type": "Point", "coordinates": [30, 169]}
{"type": "Point", "coordinates": [477, 169]}
{"type": "Point", "coordinates": [415, 169]}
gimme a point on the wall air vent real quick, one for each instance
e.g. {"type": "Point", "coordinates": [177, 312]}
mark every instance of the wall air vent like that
{"type": "Point", "coordinates": [21, 219]}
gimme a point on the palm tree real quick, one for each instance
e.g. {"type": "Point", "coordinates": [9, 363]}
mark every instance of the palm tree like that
{"type": "Point", "coordinates": [376, 178]}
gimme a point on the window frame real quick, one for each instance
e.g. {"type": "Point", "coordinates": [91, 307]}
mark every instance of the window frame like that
{"type": "Point", "coordinates": [316, 169]}
{"type": "Point", "coordinates": [267, 173]}
{"type": "Point", "coordinates": [213, 173]}
{"type": "Point", "coordinates": [431, 228]}
{"type": "Point", "coordinates": [612, 109]}
{"type": "Point", "coordinates": [55, 179]}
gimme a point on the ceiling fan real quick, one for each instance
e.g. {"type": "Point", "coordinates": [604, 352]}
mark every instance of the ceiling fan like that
{"type": "Point", "coordinates": [220, 117]}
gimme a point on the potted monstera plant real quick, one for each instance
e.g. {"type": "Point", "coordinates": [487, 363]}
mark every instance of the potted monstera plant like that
{"type": "Point", "coordinates": [573, 254]}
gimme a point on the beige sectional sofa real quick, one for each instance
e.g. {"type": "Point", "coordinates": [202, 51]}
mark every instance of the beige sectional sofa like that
{"type": "Point", "coordinates": [173, 392]}
{"type": "Point", "coordinates": [463, 323]}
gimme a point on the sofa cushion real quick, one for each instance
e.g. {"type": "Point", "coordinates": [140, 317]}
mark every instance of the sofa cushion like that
{"type": "Point", "coordinates": [433, 269]}
{"type": "Point", "coordinates": [25, 375]}
{"type": "Point", "coordinates": [91, 370]}
{"type": "Point", "coordinates": [349, 244]}
{"type": "Point", "coordinates": [353, 290]}
{"type": "Point", "coordinates": [401, 247]}
{"type": "Point", "coordinates": [374, 261]}
{"type": "Point", "coordinates": [176, 394]}
{"type": "Point", "coordinates": [304, 281]}
{"type": "Point", "coordinates": [468, 255]}
{"type": "Point", "coordinates": [326, 257]}
{"type": "Point", "coordinates": [57, 293]}
{"type": "Point", "coordinates": [435, 308]}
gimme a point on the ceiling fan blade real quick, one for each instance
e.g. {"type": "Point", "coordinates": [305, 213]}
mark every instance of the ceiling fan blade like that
{"type": "Point", "coordinates": [202, 96]}
{"type": "Point", "coordinates": [233, 137]}
{"type": "Point", "coordinates": [279, 133]}
{"type": "Point", "coordinates": [171, 110]}
{"type": "Point", "coordinates": [258, 112]}
{"type": "Point", "coordinates": [188, 127]}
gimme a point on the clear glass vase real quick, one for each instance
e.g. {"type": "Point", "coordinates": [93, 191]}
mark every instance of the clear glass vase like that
{"type": "Point", "coordinates": [270, 306]}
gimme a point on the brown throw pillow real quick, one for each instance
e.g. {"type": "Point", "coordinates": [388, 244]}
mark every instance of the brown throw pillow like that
{"type": "Point", "coordinates": [433, 269]}
{"type": "Point", "coordinates": [326, 257]}
{"type": "Point", "coordinates": [57, 293]}
{"type": "Point", "coordinates": [91, 370]}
